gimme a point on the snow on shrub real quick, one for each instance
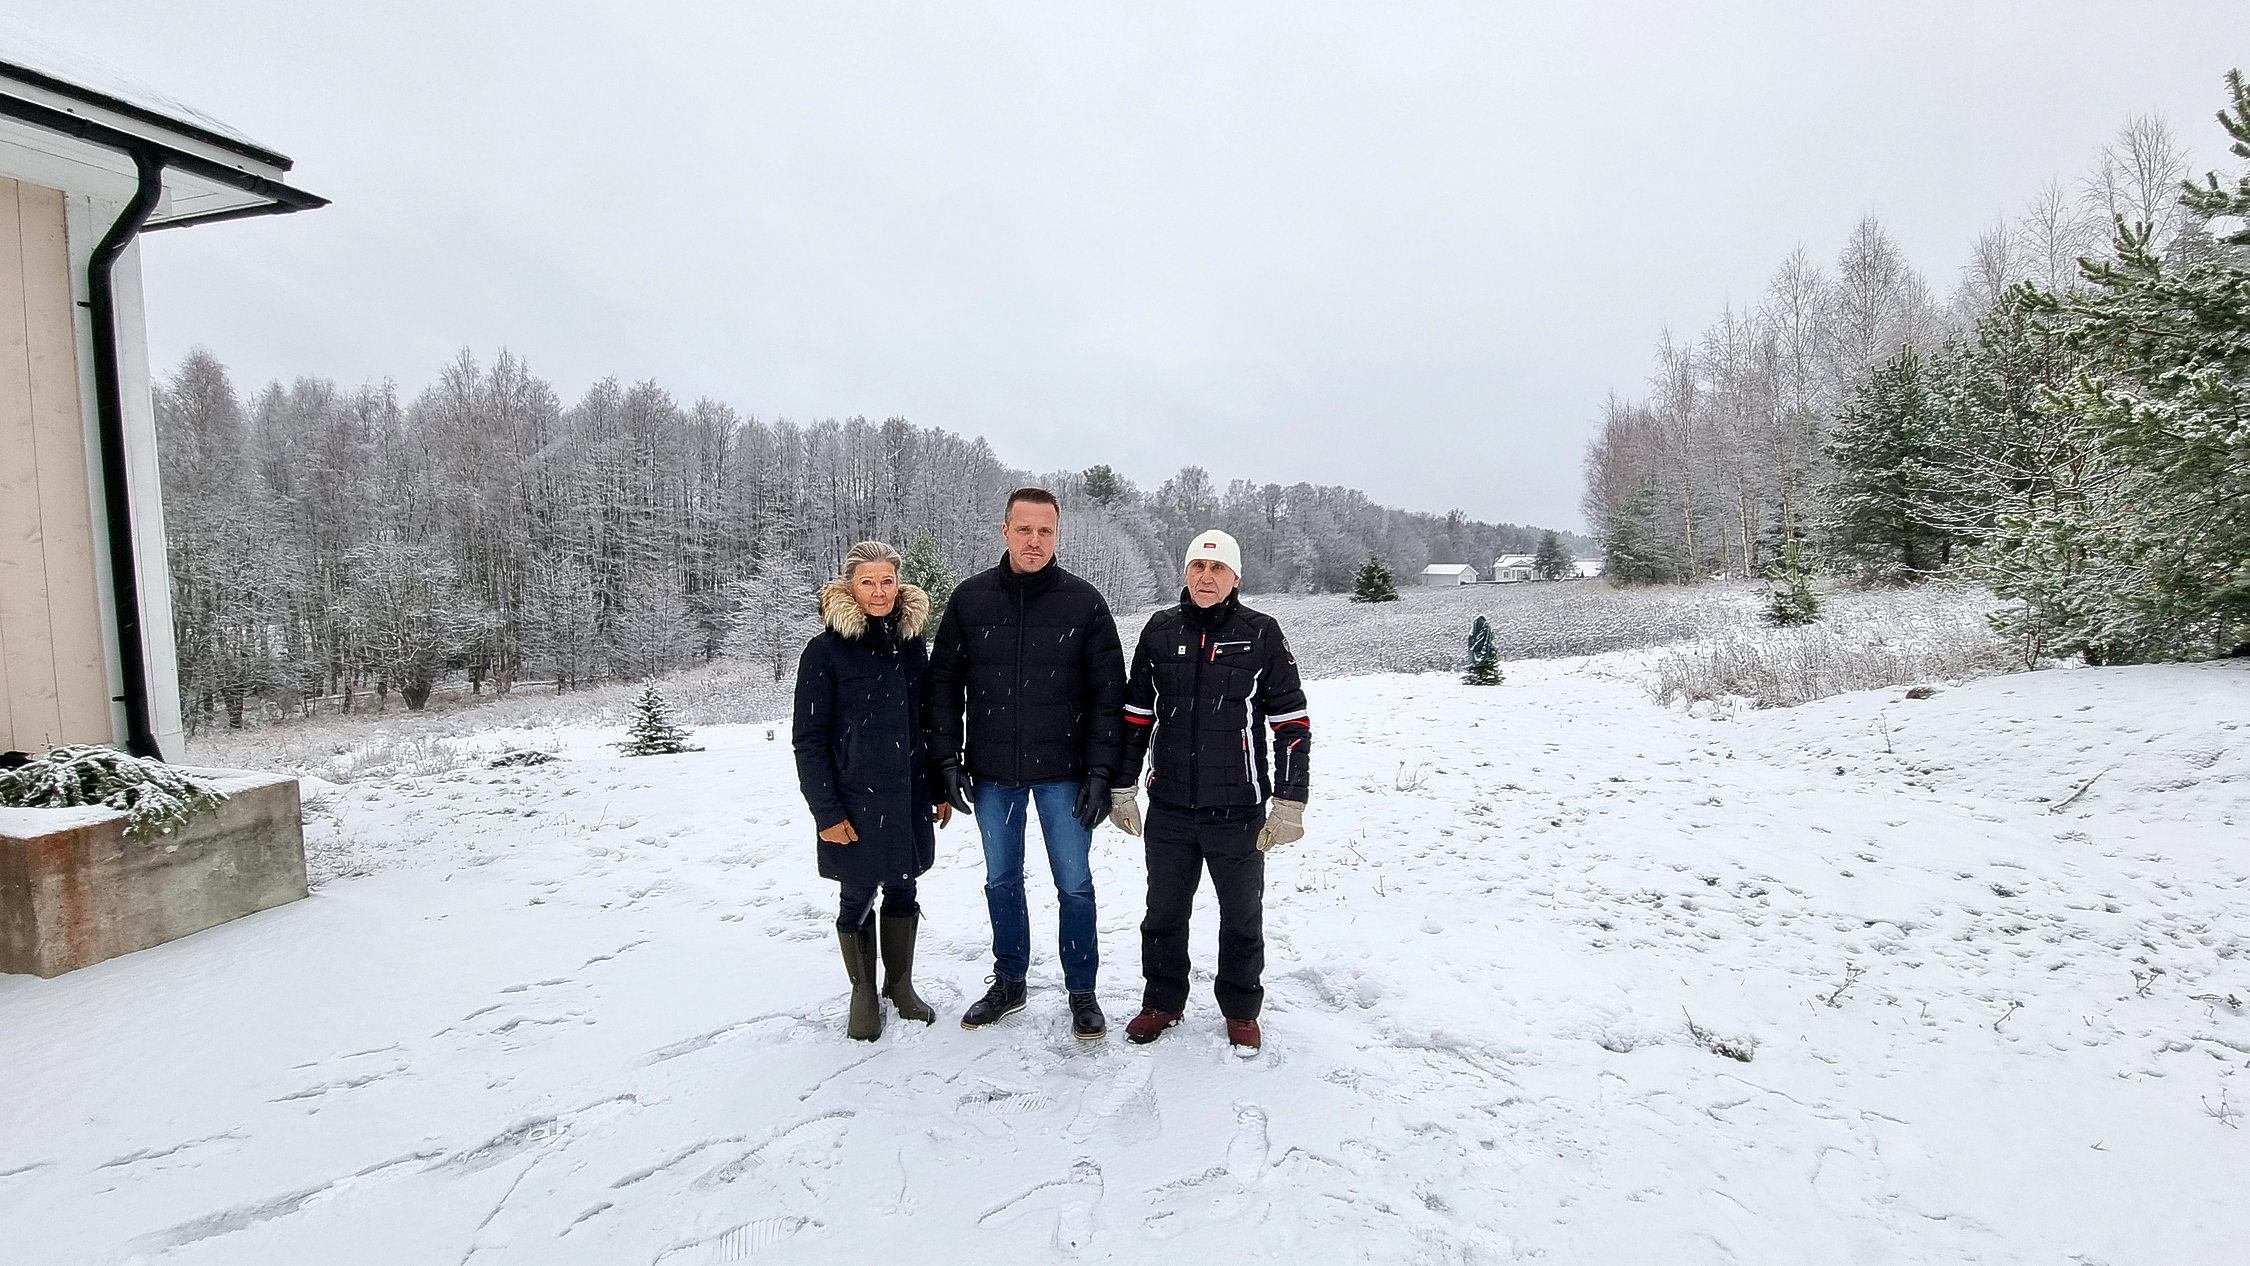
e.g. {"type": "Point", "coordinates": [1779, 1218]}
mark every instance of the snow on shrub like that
{"type": "Point", "coordinates": [155, 798]}
{"type": "Point", "coordinates": [1870, 640]}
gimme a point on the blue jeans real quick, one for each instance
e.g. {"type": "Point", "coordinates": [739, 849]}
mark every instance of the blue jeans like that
{"type": "Point", "coordinates": [1000, 819]}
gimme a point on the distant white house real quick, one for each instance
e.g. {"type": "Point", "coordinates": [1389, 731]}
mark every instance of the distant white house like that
{"type": "Point", "coordinates": [1439, 575]}
{"type": "Point", "coordinates": [1510, 568]}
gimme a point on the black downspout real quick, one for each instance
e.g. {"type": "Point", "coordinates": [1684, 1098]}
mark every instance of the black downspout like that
{"type": "Point", "coordinates": [109, 410]}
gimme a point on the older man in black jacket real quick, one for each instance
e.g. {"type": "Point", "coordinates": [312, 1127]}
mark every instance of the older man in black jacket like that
{"type": "Point", "coordinates": [1027, 656]}
{"type": "Point", "coordinates": [1209, 679]}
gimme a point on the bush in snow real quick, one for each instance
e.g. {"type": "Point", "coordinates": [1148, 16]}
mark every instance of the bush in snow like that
{"type": "Point", "coordinates": [654, 731]}
{"type": "Point", "coordinates": [520, 759]}
{"type": "Point", "coordinates": [1791, 601]}
{"type": "Point", "coordinates": [1484, 655]}
{"type": "Point", "coordinates": [1875, 639]}
{"type": "Point", "coordinates": [926, 566]}
{"type": "Point", "coordinates": [155, 798]}
{"type": "Point", "coordinates": [1374, 582]}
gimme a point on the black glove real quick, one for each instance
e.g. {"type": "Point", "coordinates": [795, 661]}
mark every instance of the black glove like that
{"type": "Point", "coordinates": [952, 784]}
{"type": "Point", "coordinates": [1093, 799]}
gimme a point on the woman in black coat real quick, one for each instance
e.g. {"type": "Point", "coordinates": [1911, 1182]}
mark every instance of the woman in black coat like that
{"type": "Point", "coordinates": [861, 764]}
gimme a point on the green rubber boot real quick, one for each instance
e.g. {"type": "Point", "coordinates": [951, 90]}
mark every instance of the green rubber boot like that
{"type": "Point", "coordinates": [898, 967]}
{"type": "Point", "coordinates": [859, 963]}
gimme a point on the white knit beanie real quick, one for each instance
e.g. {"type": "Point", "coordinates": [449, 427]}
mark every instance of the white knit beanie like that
{"type": "Point", "coordinates": [1217, 546]}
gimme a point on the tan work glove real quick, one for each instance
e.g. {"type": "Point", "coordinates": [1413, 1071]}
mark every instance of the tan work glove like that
{"type": "Point", "coordinates": [1286, 824]}
{"type": "Point", "coordinates": [1124, 810]}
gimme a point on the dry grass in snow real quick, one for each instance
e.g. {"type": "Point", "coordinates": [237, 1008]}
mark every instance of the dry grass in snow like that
{"type": "Point", "coordinates": [1864, 641]}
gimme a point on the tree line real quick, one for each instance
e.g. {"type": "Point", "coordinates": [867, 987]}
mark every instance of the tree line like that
{"type": "Point", "coordinates": [2070, 426]}
{"type": "Point", "coordinates": [346, 545]}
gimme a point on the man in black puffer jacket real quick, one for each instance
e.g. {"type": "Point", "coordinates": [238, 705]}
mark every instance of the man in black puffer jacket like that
{"type": "Point", "coordinates": [1027, 655]}
{"type": "Point", "coordinates": [1209, 679]}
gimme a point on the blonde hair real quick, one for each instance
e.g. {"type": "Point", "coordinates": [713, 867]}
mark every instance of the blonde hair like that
{"type": "Point", "coordinates": [870, 552]}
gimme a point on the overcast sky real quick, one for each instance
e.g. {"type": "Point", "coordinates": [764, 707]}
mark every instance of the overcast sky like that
{"type": "Point", "coordinates": [1403, 247]}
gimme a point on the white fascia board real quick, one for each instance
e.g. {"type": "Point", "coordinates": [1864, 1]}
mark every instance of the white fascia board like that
{"type": "Point", "coordinates": [142, 128]}
{"type": "Point", "coordinates": [46, 158]}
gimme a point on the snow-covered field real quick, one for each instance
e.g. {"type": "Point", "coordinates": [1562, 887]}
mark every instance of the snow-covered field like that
{"type": "Point", "coordinates": [1865, 638]}
{"type": "Point", "coordinates": [1557, 974]}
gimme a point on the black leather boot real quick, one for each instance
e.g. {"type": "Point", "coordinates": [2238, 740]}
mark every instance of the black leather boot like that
{"type": "Point", "coordinates": [1086, 1016]}
{"type": "Point", "coordinates": [1003, 999]}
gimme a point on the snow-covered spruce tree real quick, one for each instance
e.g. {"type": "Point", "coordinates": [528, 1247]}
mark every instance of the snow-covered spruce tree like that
{"type": "Point", "coordinates": [1993, 446]}
{"type": "Point", "coordinates": [1552, 561]}
{"type": "Point", "coordinates": [1791, 600]}
{"type": "Point", "coordinates": [1882, 446]}
{"type": "Point", "coordinates": [155, 798]}
{"type": "Point", "coordinates": [654, 732]}
{"type": "Point", "coordinates": [1102, 485]}
{"type": "Point", "coordinates": [1633, 552]}
{"type": "Point", "coordinates": [1374, 583]}
{"type": "Point", "coordinates": [927, 567]}
{"type": "Point", "coordinates": [2150, 558]}
{"type": "Point", "coordinates": [1484, 655]}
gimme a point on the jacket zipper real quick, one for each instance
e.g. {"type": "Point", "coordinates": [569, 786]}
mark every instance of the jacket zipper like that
{"type": "Point", "coordinates": [1022, 687]}
{"type": "Point", "coordinates": [1195, 725]}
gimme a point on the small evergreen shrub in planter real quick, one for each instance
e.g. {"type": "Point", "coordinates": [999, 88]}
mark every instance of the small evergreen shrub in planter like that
{"type": "Point", "coordinates": [155, 798]}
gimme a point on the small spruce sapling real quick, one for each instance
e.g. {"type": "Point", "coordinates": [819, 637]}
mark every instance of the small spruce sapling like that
{"type": "Point", "coordinates": [1791, 601]}
{"type": "Point", "coordinates": [654, 732]}
{"type": "Point", "coordinates": [926, 566]}
{"type": "Point", "coordinates": [1374, 582]}
{"type": "Point", "coordinates": [1484, 655]}
{"type": "Point", "coordinates": [155, 798]}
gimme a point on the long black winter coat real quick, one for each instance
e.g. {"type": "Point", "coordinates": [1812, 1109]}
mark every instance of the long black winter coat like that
{"type": "Point", "coordinates": [1207, 683]}
{"type": "Point", "coordinates": [1033, 663]}
{"type": "Point", "coordinates": [858, 735]}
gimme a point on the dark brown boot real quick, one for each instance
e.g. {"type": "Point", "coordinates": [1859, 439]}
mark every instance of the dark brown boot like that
{"type": "Point", "coordinates": [866, 1023]}
{"type": "Point", "coordinates": [1149, 1025]}
{"type": "Point", "coordinates": [898, 967]}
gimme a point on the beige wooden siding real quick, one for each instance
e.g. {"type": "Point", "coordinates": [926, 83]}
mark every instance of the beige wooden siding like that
{"type": "Point", "coordinates": [53, 683]}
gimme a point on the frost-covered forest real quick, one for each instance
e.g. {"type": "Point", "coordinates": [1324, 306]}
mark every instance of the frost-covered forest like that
{"type": "Point", "coordinates": [331, 543]}
{"type": "Point", "coordinates": [2069, 426]}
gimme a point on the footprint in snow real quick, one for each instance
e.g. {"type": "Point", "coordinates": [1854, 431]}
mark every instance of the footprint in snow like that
{"type": "Point", "coordinates": [999, 1101]}
{"type": "Point", "coordinates": [737, 1245]}
{"type": "Point", "coordinates": [1074, 1201]}
{"type": "Point", "coordinates": [1247, 1150]}
{"type": "Point", "coordinates": [1123, 1100]}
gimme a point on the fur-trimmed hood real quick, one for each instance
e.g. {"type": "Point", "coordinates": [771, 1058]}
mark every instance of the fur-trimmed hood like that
{"type": "Point", "coordinates": [840, 611]}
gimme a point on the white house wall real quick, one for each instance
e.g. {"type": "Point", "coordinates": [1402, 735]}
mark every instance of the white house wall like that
{"type": "Point", "coordinates": [53, 683]}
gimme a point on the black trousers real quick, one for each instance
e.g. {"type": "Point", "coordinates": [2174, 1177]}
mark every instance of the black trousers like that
{"type": "Point", "coordinates": [857, 902]}
{"type": "Point", "coordinates": [1181, 844]}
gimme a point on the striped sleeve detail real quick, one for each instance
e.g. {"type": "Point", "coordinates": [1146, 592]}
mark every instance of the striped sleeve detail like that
{"type": "Point", "coordinates": [1299, 717]}
{"type": "Point", "coordinates": [1146, 712]}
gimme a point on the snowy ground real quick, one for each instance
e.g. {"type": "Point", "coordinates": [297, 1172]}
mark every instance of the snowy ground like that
{"type": "Point", "coordinates": [1557, 974]}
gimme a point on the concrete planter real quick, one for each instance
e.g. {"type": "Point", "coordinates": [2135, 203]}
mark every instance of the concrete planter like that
{"type": "Point", "coordinates": [74, 890]}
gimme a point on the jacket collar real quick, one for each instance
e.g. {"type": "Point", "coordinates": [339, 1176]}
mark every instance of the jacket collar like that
{"type": "Point", "coordinates": [1029, 584]}
{"type": "Point", "coordinates": [841, 612]}
{"type": "Point", "coordinates": [1214, 616]}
